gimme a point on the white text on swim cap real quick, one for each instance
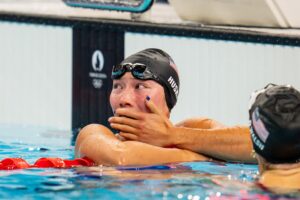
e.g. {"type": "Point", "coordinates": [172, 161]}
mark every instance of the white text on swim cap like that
{"type": "Point", "coordinates": [256, 141]}
{"type": "Point", "coordinates": [174, 85]}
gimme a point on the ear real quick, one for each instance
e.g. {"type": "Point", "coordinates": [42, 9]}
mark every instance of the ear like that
{"type": "Point", "coordinates": [262, 164]}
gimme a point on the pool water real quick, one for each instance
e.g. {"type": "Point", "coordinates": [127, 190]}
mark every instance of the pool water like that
{"type": "Point", "coordinates": [191, 180]}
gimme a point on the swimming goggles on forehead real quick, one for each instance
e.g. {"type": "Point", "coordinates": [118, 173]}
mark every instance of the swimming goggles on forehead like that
{"type": "Point", "coordinates": [138, 70]}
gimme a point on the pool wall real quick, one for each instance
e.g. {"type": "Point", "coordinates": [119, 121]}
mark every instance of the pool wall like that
{"type": "Point", "coordinates": [36, 75]}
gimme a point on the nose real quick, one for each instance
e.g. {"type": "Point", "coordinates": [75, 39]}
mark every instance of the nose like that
{"type": "Point", "coordinates": [126, 98]}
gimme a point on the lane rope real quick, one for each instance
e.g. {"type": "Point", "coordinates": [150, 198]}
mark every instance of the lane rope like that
{"type": "Point", "coordinates": [19, 163]}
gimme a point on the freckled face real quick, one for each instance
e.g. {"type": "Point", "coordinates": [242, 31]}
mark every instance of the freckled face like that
{"type": "Point", "coordinates": [131, 92]}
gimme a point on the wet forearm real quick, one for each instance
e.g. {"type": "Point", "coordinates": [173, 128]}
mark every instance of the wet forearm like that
{"type": "Point", "coordinates": [138, 153]}
{"type": "Point", "coordinates": [99, 144]}
{"type": "Point", "coordinates": [230, 144]}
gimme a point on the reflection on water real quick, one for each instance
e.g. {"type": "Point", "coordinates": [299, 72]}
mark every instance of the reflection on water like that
{"type": "Point", "coordinates": [192, 181]}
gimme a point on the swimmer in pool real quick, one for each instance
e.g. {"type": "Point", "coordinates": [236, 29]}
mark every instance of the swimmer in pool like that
{"type": "Point", "coordinates": [145, 89]}
{"type": "Point", "coordinates": [275, 132]}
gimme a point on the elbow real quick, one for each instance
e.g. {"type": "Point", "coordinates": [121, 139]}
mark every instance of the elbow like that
{"type": "Point", "coordinates": [99, 144]}
{"type": "Point", "coordinates": [101, 151]}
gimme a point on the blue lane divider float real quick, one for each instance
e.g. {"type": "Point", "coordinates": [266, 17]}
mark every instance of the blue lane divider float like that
{"type": "Point", "coordinates": [154, 167]}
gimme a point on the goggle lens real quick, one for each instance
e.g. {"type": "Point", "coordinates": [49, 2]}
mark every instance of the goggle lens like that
{"type": "Point", "coordinates": [139, 71]}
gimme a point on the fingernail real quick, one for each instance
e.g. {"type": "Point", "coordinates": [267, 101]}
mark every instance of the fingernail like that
{"type": "Point", "coordinates": [147, 98]}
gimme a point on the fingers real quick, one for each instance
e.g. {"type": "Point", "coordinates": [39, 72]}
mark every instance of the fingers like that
{"type": "Point", "coordinates": [124, 128]}
{"type": "Point", "coordinates": [128, 136]}
{"type": "Point", "coordinates": [124, 120]}
{"type": "Point", "coordinates": [152, 107]}
{"type": "Point", "coordinates": [129, 113]}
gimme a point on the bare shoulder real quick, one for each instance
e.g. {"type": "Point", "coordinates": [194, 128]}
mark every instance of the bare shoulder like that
{"type": "Point", "coordinates": [285, 180]}
{"type": "Point", "coordinates": [91, 129]}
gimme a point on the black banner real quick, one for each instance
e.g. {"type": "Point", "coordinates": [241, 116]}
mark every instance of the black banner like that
{"type": "Point", "coordinates": [94, 54]}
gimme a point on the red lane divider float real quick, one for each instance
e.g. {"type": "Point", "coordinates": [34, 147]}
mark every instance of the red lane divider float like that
{"type": "Point", "coordinates": [19, 163]}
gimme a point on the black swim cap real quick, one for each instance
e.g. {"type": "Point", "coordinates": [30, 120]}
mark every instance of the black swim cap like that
{"type": "Point", "coordinates": [275, 124]}
{"type": "Point", "coordinates": [162, 66]}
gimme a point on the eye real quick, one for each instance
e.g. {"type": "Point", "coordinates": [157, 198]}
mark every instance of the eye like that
{"type": "Point", "coordinates": [117, 86]}
{"type": "Point", "coordinates": [140, 86]}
